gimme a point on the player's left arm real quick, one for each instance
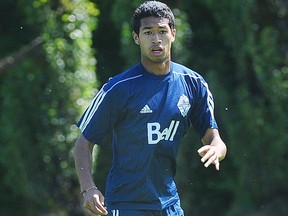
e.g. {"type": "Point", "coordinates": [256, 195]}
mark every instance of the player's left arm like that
{"type": "Point", "coordinates": [214, 149]}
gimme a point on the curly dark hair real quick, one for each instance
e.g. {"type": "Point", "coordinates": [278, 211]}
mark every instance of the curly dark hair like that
{"type": "Point", "coordinates": [154, 9]}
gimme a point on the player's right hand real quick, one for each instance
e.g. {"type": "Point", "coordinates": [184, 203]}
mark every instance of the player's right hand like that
{"type": "Point", "coordinates": [94, 203]}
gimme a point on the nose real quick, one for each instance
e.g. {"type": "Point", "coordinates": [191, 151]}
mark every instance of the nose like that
{"type": "Point", "coordinates": [156, 39]}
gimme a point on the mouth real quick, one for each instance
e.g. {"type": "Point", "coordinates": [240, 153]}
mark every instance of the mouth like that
{"type": "Point", "coordinates": [157, 51]}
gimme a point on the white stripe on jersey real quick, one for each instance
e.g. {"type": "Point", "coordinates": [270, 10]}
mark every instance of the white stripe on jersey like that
{"type": "Point", "coordinates": [92, 109]}
{"type": "Point", "coordinates": [130, 78]}
{"type": "Point", "coordinates": [210, 100]}
{"type": "Point", "coordinates": [97, 101]}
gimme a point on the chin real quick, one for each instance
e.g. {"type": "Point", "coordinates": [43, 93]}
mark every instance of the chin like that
{"type": "Point", "coordinates": [159, 59]}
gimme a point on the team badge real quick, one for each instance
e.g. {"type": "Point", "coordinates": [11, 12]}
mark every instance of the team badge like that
{"type": "Point", "coordinates": [183, 105]}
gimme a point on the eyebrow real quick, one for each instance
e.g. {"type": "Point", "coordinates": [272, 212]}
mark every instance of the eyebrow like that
{"type": "Point", "coordinates": [150, 27]}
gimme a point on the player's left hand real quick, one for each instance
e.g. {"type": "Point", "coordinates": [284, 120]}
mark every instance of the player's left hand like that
{"type": "Point", "coordinates": [209, 156]}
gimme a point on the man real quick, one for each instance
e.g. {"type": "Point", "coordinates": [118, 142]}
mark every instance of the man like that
{"type": "Point", "coordinates": [149, 108]}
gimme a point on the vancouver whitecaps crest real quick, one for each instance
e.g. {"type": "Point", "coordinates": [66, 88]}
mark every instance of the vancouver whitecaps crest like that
{"type": "Point", "coordinates": [183, 105]}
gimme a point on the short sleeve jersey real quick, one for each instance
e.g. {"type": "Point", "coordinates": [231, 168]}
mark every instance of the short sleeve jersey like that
{"type": "Point", "coordinates": [148, 116]}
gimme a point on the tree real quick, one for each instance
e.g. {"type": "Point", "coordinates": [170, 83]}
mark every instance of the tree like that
{"type": "Point", "coordinates": [41, 98]}
{"type": "Point", "coordinates": [249, 74]}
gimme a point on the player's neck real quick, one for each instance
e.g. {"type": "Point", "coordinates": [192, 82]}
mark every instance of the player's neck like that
{"type": "Point", "coordinates": [157, 68]}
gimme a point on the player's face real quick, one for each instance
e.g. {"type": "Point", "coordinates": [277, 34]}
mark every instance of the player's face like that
{"type": "Point", "coordinates": [155, 39]}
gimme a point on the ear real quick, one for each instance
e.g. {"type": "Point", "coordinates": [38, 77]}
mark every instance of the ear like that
{"type": "Point", "coordinates": [173, 34]}
{"type": "Point", "coordinates": [135, 37]}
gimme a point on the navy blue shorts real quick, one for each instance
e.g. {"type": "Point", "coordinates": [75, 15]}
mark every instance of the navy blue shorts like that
{"type": "Point", "coordinates": [174, 210]}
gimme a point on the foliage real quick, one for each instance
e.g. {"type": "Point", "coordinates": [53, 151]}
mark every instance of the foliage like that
{"type": "Point", "coordinates": [256, 149]}
{"type": "Point", "coordinates": [41, 98]}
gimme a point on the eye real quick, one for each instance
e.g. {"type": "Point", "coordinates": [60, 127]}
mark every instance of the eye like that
{"type": "Point", "coordinates": [147, 33]}
{"type": "Point", "coordinates": [163, 32]}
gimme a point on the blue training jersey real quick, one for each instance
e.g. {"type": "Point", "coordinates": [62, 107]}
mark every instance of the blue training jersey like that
{"type": "Point", "coordinates": [148, 115]}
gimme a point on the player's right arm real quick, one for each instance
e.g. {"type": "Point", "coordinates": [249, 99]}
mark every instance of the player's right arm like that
{"type": "Point", "coordinates": [93, 198]}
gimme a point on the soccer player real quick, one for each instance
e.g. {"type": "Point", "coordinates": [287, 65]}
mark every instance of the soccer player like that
{"type": "Point", "coordinates": [149, 108]}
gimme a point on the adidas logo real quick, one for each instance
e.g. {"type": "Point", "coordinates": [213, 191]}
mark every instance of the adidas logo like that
{"type": "Point", "coordinates": [146, 109]}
